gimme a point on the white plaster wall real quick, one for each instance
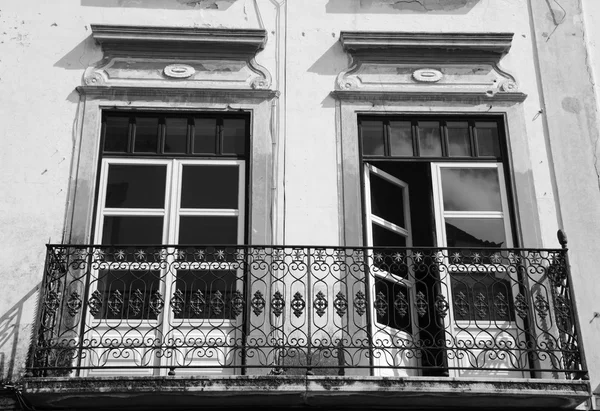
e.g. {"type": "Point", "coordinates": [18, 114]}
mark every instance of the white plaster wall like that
{"type": "Point", "coordinates": [45, 46]}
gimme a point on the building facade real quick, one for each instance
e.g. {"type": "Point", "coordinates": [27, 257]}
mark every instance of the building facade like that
{"type": "Point", "coordinates": [339, 204]}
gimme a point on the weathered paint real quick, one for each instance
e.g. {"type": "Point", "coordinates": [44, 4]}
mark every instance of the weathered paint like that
{"type": "Point", "coordinates": [45, 49]}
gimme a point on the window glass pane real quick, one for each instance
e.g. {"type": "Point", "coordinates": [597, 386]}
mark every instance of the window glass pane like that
{"type": "Point", "coordinates": [210, 187]}
{"type": "Point", "coordinates": [487, 139]}
{"type": "Point", "coordinates": [475, 232]}
{"type": "Point", "coordinates": [146, 135]}
{"type": "Point", "coordinates": [116, 134]}
{"type": "Point", "coordinates": [234, 136]}
{"type": "Point", "coordinates": [471, 189]}
{"type": "Point", "coordinates": [140, 230]}
{"type": "Point", "coordinates": [459, 142]}
{"type": "Point", "coordinates": [401, 143]}
{"type": "Point", "coordinates": [176, 135]}
{"type": "Point", "coordinates": [136, 186]}
{"type": "Point", "coordinates": [372, 138]}
{"type": "Point", "coordinates": [430, 143]}
{"type": "Point", "coordinates": [205, 135]}
{"type": "Point", "coordinates": [127, 294]}
{"type": "Point", "coordinates": [384, 237]}
{"type": "Point", "coordinates": [206, 294]}
{"type": "Point", "coordinates": [396, 315]}
{"type": "Point", "coordinates": [387, 200]}
{"type": "Point", "coordinates": [482, 296]}
{"type": "Point", "coordinates": [208, 230]}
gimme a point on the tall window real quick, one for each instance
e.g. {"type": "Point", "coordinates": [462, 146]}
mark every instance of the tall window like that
{"type": "Point", "coordinates": [168, 179]}
{"type": "Point", "coordinates": [436, 182]}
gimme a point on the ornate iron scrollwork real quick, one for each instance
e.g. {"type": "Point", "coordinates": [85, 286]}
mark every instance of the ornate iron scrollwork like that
{"type": "Point", "coordinates": [421, 304]}
{"type": "Point", "coordinates": [380, 304]}
{"type": "Point", "coordinates": [460, 302]}
{"type": "Point", "coordinates": [360, 303]}
{"type": "Point", "coordinates": [340, 304]}
{"type": "Point", "coordinates": [277, 304]}
{"type": "Point", "coordinates": [481, 305]}
{"type": "Point", "coordinates": [297, 304]}
{"type": "Point", "coordinates": [258, 303]}
{"type": "Point", "coordinates": [95, 303]}
{"type": "Point", "coordinates": [401, 304]}
{"type": "Point", "coordinates": [52, 301]}
{"type": "Point", "coordinates": [136, 303]}
{"type": "Point", "coordinates": [217, 304]}
{"type": "Point", "coordinates": [521, 306]}
{"type": "Point", "coordinates": [197, 303]}
{"type": "Point", "coordinates": [157, 302]}
{"type": "Point", "coordinates": [177, 302]}
{"type": "Point", "coordinates": [441, 305]}
{"type": "Point", "coordinates": [320, 304]}
{"type": "Point", "coordinates": [541, 306]}
{"type": "Point", "coordinates": [115, 302]}
{"type": "Point", "coordinates": [237, 303]}
{"type": "Point", "coordinates": [501, 305]}
{"type": "Point", "coordinates": [74, 304]}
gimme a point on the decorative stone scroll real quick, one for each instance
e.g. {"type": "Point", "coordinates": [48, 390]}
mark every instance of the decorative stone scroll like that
{"type": "Point", "coordinates": [178, 57]}
{"type": "Point", "coordinates": [428, 64]}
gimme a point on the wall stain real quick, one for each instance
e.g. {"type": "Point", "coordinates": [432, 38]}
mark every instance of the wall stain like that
{"type": "Point", "coordinates": [571, 104]}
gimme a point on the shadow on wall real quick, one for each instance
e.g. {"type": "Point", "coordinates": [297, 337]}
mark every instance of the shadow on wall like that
{"type": "Point", "coordinates": [83, 55]}
{"type": "Point", "coordinates": [400, 6]}
{"type": "Point", "coordinates": [10, 324]}
{"type": "Point", "coordinates": [162, 4]}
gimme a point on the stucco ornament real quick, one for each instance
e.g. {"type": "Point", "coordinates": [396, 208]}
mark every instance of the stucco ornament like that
{"type": "Point", "coordinates": [179, 71]}
{"type": "Point", "coordinates": [427, 75]}
{"type": "Point", "coordinates": [509, 86]}
{"type": "Point", "coordinates": [196, 58]}
{"type": "Point", "coordinates": [427, 65]}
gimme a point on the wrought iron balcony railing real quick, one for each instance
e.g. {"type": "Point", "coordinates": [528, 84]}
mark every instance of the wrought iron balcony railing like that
{"type": "Point", "coordinates": [157, 310]}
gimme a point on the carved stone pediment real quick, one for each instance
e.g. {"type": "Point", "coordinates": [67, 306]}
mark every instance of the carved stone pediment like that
{"type": "Point", "coordinates": [428, 63]}
{"type": "Point", "coordinates": [178, 57]}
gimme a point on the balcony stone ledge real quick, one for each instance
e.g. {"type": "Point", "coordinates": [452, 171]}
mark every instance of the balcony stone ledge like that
{"type": "Point", "coordinates": [339, 392]}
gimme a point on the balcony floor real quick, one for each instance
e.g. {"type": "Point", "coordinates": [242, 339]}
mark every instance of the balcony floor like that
{"type": "Point", "coordinates": [330, 392]}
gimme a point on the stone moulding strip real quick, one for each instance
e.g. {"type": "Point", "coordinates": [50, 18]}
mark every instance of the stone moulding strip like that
{"type": "Point", "coordinates": [124, 92]}
{"type": "Point", "coordinates": [498, 43]}
{"type": "Point", "coordinates": [119, 39]}
{"type": "Point", "coordinates": [465, 97]}
{"type": "Point", "coordinates": [402, 393]}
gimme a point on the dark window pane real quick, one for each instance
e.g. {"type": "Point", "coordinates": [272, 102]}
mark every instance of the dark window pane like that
{"type": "Point", "coordinates": [387, 200]}
{"type": "Point", "coordinates": [372, 138]}
{"type": "Point", "coordinates": [401, 143]}
{"type": "Point", "coordinates": [471, 189]}
{"type": "Point", "coordinates": [146, 135]}
{"type": "Point", "coordinates": [430, 144]}
{"type": "Point", "coordinates": [136, 186]}
{"type": "Point", "coordinates": [459, 142]}
{"type": "Point", "coordinates": [487, 139]}
{"type": "Point", "coordinates": [234, 136]}
{"type": "Point", "coordinates": [210, 187]}
{"type": "Point", "coordinates": [396, 315]}
{"type": "Point", "coordinates": [127, 294]}
{"type": "Point", "coordinates": [176, 135]}
{"type": "Point", "coordinates": [116, 134]}
{"type": "Point", "coordinates": [132, 230]}
{"type": "Point", "coordinates": [384, 237]}
{"type": "Point", "coordinates": [207, 294]}
{"type": "Point", "coordinates": [208, 230]}
{"type": "Point", "coordinates": [475, 232]}
{"type": "Point", "coordinates": [482, 296]}
{"type": "Point", "coordinates": [205, 135]}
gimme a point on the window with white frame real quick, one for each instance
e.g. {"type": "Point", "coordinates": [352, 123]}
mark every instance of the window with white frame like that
{"type": "Point", "coordinates": [169, 180]}
{"type": "Point", "coordinates": [436, 181]}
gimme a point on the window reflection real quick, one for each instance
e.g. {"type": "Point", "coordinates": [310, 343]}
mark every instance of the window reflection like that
{"type": "Point", "coordinates": [471, 189]}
